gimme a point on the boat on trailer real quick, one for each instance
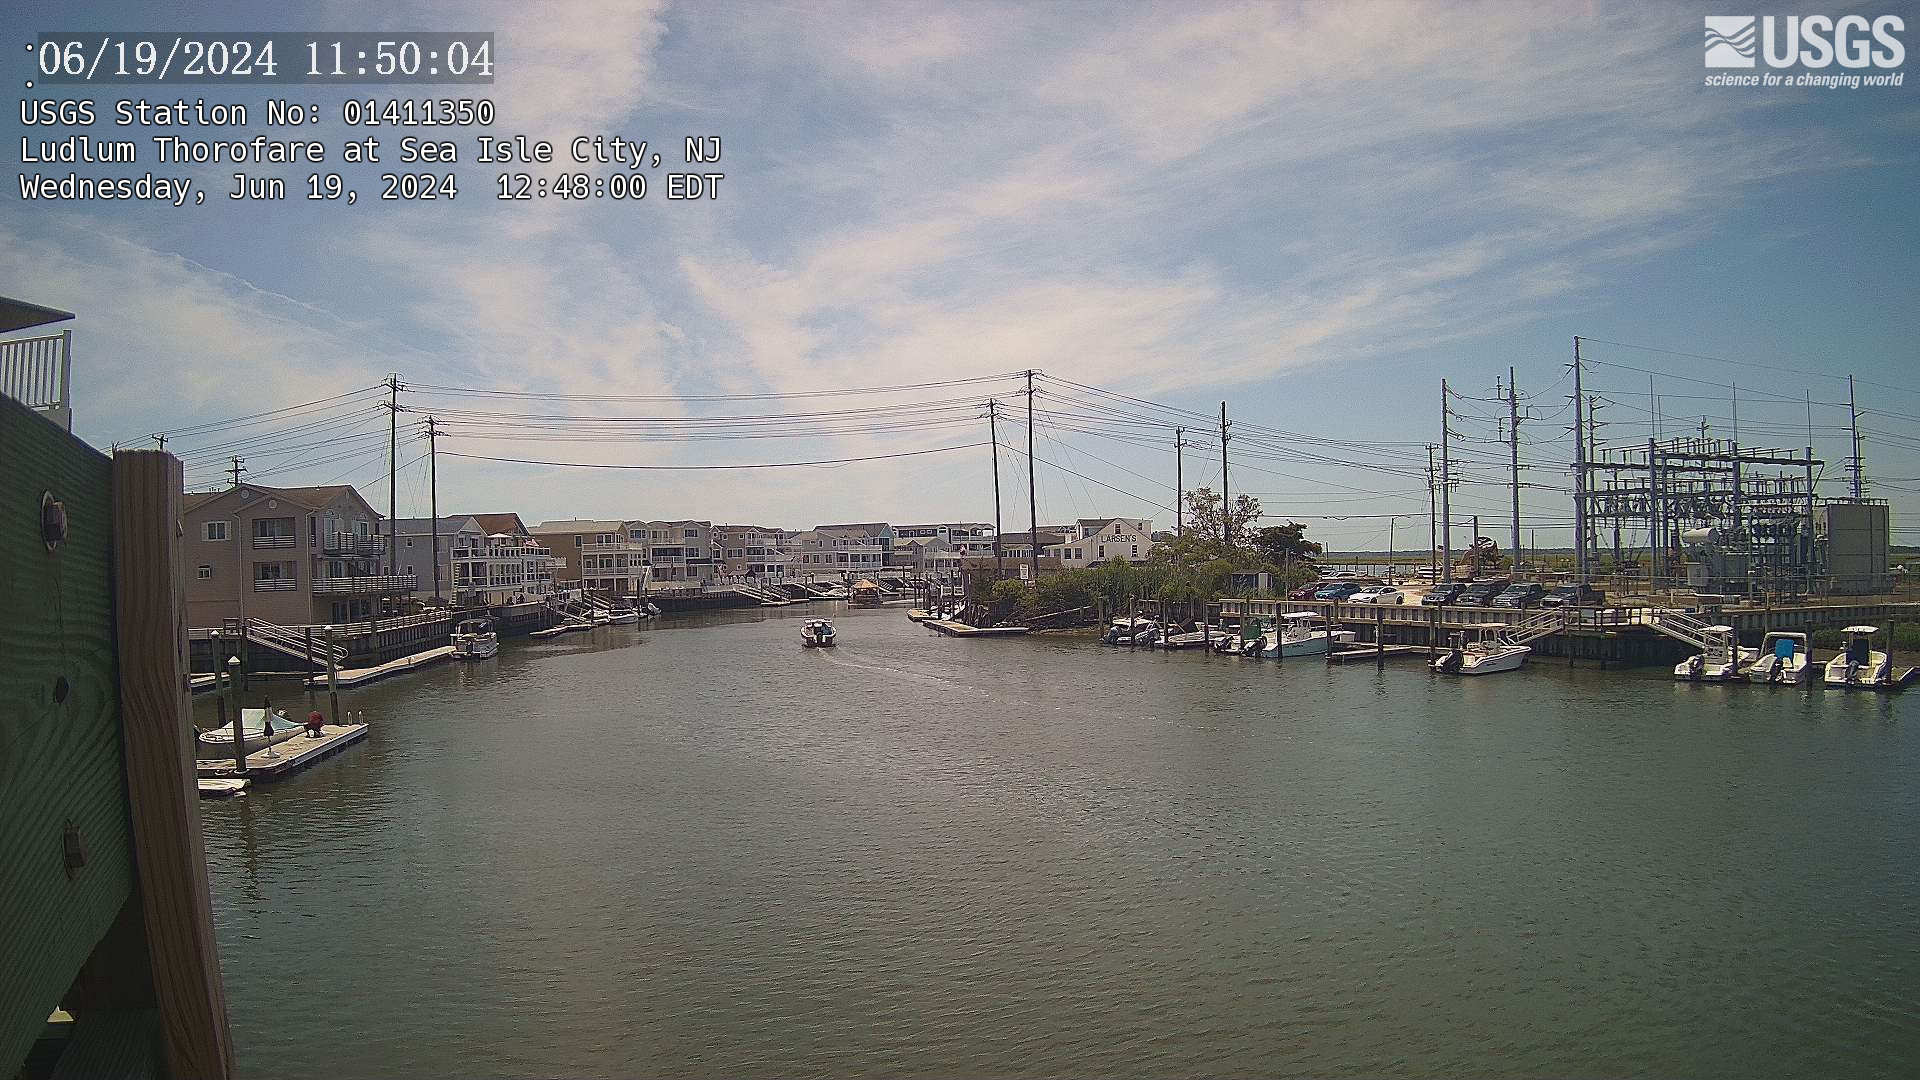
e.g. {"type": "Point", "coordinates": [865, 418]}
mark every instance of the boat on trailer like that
{"type": "Point", "coordinates": [1485, 655]}
{"type": "Point", "coordinates": [817, 634]}
{"type": "Point", "coordinates": [475, 639]}
{"type": "Point", "coordinates": [1725, 660]}
{"type": "Point", "coordinates": [1784, 660]}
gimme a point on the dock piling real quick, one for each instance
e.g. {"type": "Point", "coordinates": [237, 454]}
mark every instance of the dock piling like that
{"type": "Point", "coordinates": [233, 706]}
{"type": "Point", "coordinates": [333, 681]}
{"type": "Point", "coordinates": [1379, 637]}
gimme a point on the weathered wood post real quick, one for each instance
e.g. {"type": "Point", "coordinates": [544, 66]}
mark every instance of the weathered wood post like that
{"type": "Point", "coordinates": [1133, 622]}
{"type": "Point", "coordinates": [1379, 637]}
{"type": "Point", "coordinates": [233, 706]}
{"type": "Point", "coordinates": [306, 635]}
{"type": "Point", "coordinates": [333, 680]}
{"type": "Point", "coordinates": [150, 627]}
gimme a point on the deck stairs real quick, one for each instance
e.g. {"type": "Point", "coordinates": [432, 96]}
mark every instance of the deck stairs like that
{"type": "Point", "coordinates": [766, 597]}
{"type": "Point", "coordinates": [285, 640]}
{"type": "Point", "coordinates": [1533, 628]}
{"type": "Point", "coordinates": [1683, 627]}
{"type": "Point", "coordinates": [572, 610]}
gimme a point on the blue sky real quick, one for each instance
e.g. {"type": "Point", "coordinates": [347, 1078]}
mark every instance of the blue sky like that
{"type": "Point", "coordinates": [1313, 212]}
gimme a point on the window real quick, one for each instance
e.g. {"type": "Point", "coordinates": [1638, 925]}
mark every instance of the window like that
{"type": "Point", "coordinates": [691, 533]}
{"type": "Point", "coordinates": [205, 571]}
{"type": "Point", "coordinates": [576, 540]}
{"type": "Point", "coordinates": [216, 530]}
{"type": "Point", "coordinates": [409, 541]}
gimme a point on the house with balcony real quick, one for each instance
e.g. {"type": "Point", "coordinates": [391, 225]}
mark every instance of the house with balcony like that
{"type": "Point", "coordinates": [37, 370]}
{"type": "Point", "coordinates": [293, 556]}
{"type": "Point", "coordinates": [838, 550]}
{"type": "Point", "coordinates": [1102, 540]}
{"type": "Point", "coordinates": [754, 552]}
{"type": "Point", "coordinates": [598, 556]}
{"type": "Point", "coordinates": [680, 553]}
{"type": "Point", "coordinates": [929, 558]}
{"type": "Point", "coordinates": [476, 567]}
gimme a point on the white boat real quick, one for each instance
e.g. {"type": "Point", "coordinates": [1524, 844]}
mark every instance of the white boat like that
{"type": "Point", "coordinates": [621, 615]}
{"type": "Point", "coordinates": [1303, 633]}
{"type": "Point", "coordinates": [1859, 663]}
{"type": "Point", "coordinates": [817, 633]}
{"type": "Point", "coordinates": [1784, 660]}
{"type": "Point", "coordinates": [1484, 656]}
{"type": "Point", "coordinates": [1195, 639]}
{"type": "Point", "coordinates": [1125, 630]}
{"type": "Point", "coordinates": [256, 733]}
{"type": "Point", "coordinates": [474, 639]}
{"type": "Point", "coordinates": [1727, 659]}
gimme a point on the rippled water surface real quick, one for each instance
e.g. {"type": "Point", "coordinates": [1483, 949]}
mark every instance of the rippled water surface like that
{"type": "Point", "coordinates": [697, 849]}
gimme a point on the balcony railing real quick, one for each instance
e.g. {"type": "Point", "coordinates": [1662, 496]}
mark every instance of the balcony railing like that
{"type": "Point", "coordinates": [382, 583]}
{"type": "Point", "coordinates": [273, 541]}
{"type": "Point", "coordinates": [618, 547]}
{"type": "Point", "coordinates": [349, 544]}
{"type": "Point", "coordinates": [37, 371]}
{"type": "Point", "coordinates": [274, 584]}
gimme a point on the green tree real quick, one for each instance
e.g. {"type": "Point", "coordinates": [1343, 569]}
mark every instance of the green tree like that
{"type": "Point", "coordinates": [1287, 543]}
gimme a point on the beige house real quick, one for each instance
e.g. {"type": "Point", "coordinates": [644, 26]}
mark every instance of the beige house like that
{"type": "Point", "coordinates": [293, 556]}
{"type": "Point", "coordinates": [598, 556]}
{"type": "Point", "coordinates": [1104, 540]}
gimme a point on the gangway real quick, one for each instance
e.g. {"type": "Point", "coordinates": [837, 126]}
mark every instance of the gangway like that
{"type": "Point", "coordinates": [285, 640]}
{"type": "Point", "coordinates": [1543, 624]}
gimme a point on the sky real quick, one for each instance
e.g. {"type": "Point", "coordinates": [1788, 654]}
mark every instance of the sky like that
{"type": "Point", "coordinates": [1314, 213]}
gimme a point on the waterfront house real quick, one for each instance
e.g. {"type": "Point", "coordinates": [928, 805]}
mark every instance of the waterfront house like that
{"type": "Point", "coordinates": [751, 551]}
{"type": "Point", "coordinates": [598, 556]}
{"type": "Point", "coordinates": [838, 549]}
{"type": "Point", "coordinates": [1101, 540]}
{"type": "Point", "coordinates": [477, 567]}
{"type": "Point", "coordinates": [292, 556]}
{"type": "Point", "coordinates": [680, 553]}
{"type": "Point", "coordinates": [1019, 545]}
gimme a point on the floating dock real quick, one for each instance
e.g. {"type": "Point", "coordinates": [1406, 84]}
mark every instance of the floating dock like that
{"type": "Point", "coordinates": [213, 787]}
{"type": "Point", "coordinates": [960, 629]}
{"type": "Point", "coordinates": [358, 676]}
{"type": "Point", "coordinates": [563, 628]}
{"type": "Point", "coordinates": [1371, 652]}
{"type": "Point", "coordinates": [286, 758]}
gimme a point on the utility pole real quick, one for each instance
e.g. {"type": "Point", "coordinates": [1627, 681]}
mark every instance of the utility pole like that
{"type": "Point", "coordinates": [1855, 465]}
{"type": "Point", "coordinates": [1737, 522]}
{"type": "Point", "coordinates": [235, 469]}
{"type": "Point", "coordinates": [1579, 475]}
{"type": "Point", "coordinates": [160, 440]}
{"type": "Point", "coordinates": [1433, 524]}
{"type": "Point", "coordinates": [993, 433]}
{"type": "Point", "coordinates": [1226, 503]}
{"type": "Point", "coordinates": [1033, 504]}
{"type": "Point", "coordinates": [393, 449]}
{"type": "Point", "coordinates": [1513, 448]}
{"type": "Point", "coordinates": [433, 499]}
{"type": "Point", "coordinates": [1179, 483]}
{"type": "Point", "coordinates": [1446, 487]}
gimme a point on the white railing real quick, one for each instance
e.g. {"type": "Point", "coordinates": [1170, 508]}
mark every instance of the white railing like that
{"type": "Point", "coordinates": [38, 373]}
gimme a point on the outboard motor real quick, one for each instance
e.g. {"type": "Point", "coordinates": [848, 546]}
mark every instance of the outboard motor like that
{"type": "Point", "coordinates": [1450, 662]}
{"type": "Point", "coordinates": [1696, 664]}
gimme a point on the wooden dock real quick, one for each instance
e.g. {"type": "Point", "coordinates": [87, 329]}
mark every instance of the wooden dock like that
{"type": "Point", "coordinates": [960, 629]}
{"type": "Point", "coordinates": [1370, 652]}
{"type": "Point", "coordinates": [287, 758]}
{"type": "Point", "coordinates": [569, 627]}
{"type": "Point", "coordinates": [358, 676]}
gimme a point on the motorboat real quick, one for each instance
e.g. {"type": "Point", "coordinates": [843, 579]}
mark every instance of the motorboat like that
{"type": "Point", "coordinates": [650, 609]}
{"type": "Point", "coordinates": [1195, 636]}
{"type": "Point", "coordinates": [1126, 630]}
{"type": "Point", "coordinates": [257, 732]}
{"type": "Point", "coordinates": [1859, 663]}
{"type": "Point", "coordinates": [1725, 659]}
{"type": "Point", "coordinates": [1487, 654]}
{"type": "Point", "coordinates": [1784, 660]}
{"type": "Point", "coordinates": [475, 639]}
{"type": "Point", "coordinates": [1301, 633]}
{"type": "Point", "coordinates": [817, 633]}
{"type": "Point", "coordinates": [622, 614]}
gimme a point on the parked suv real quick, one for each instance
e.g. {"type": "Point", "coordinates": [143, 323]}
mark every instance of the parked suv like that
{"type": "Point", "coordinates": [1523, 595]}
{"type": "Point", "coordinates": [1444, 594]}
{"type": "Point", "coordinates": [1481, 593]}
{"type": "Point", "coordinates": [1339, 591]}
{"type": "Point", "coordinates": [1563, 595]}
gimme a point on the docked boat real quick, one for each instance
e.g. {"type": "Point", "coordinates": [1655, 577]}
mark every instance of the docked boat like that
{"type": "Point", "coordinates": [650, 609]}
{"type": "Point", "coordinates": [257, 732]}
{"type": "Point", "coordinates": [1859, 664]}
{"type": "Point", "coordinates": [1123, 630]}
{"type": "Point", "coordinates": [1301, 633]}
{"type": "Point", "coordinates": [1195, 638]}
{"type": "Point", "coordinates": [1487, 654]}
{"type": "Point", "coordinates": [1726, 660]}
{"type": "Point", "coordinates": [475, 639]}
{"type": "Point", "coordinates": [622, 615]}
{"type": "Point", "coordinates": [817, 634]}
{"type": "Point", "coordinates": [1784, 660]}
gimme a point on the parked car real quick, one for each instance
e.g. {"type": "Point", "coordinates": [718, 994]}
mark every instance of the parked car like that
{"type": "Point", "coordinates": [1447, 593]}
{"type": "Point", "coordinates": [1306, 592]}
{"type": "Point", "coordinates": [1481, 593]}
{"type": "Point", "coordinates": [1522, 595]}
{"type": "Point", "coordinates": [1337, 591]}
{"type": "Point", "coordinates": [1562, 595]}
{"type": "Point", "coordinates": [1378, 594]}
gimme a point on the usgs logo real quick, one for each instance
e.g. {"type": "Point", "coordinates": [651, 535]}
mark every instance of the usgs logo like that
{"type": "Point", "coordinates": [1813, 41]}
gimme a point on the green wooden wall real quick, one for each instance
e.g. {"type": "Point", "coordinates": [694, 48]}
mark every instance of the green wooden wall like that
{"type": "Point", "coordinates": [60, 751]}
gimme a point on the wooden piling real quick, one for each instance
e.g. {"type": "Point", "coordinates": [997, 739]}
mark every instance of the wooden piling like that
{"type": "Point", "coordinates": [1379, 637]}
{"type": "Point", "coordinates": [156, 732]}
{"type": "Point", "coordinates": [333, 680]}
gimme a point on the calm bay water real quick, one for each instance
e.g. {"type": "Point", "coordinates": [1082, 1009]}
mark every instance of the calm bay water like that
{"type": "Point", "coordinates": [697, 849]}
